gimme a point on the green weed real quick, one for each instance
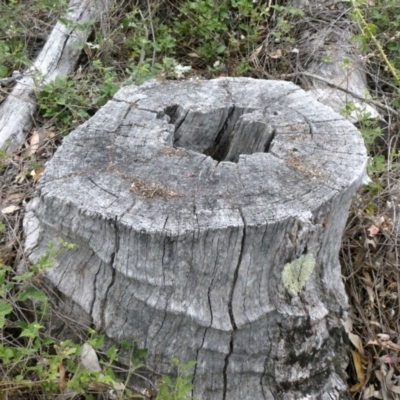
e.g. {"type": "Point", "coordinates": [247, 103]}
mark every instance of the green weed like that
{"type": "Point", "coordinates": [34, 363]}
{"type": "Point", "coordinates": [17, 37]}
{"type": "Point", "coordinates": [70, 102]}
{"type": "Point", "coordinates": [181, 386]}
{"type": "Point", "coordinates": [371, 133]}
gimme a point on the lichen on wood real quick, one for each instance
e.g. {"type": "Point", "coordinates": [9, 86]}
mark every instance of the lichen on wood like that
{"type": "Point", "coordinates": [296, 273]}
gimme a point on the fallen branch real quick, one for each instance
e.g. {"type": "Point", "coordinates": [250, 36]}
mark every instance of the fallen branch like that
{"type": "Point", "coordinates": [384, 107]}
{"type": "Point", "coordinates": [58, 57]}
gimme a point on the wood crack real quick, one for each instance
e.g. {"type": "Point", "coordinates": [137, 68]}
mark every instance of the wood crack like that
{"type": "Point", "coordinates": [104, 190]}
{"type": "Point", "coordinates": [230, 308]}
{"type": "Point", "coordinates": [113, 271]}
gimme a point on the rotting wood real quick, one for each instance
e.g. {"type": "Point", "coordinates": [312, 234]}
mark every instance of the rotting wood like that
{"type": "Point", "coordinates": [238, 269]}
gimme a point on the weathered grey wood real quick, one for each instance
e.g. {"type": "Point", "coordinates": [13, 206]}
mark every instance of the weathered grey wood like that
{"type": "Point", "coordinates": [329, 56]}
{"type": "Point", "coordinates": [233, 261]}
{"type": "Point", "coordinates": [58, 57]}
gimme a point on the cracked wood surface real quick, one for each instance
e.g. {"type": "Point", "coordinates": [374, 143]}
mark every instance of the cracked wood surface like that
{"type": "Point", "coordinates": [186, 201]}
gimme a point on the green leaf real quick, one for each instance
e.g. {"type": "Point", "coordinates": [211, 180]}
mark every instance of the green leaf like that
{"type": "Point", "coordinates": [188, 365]}
{"type": "Point", "coordinates": [167, 380]}
{"type": "Point", "coordinates": [221, 49]}
{"type": "Point", "coordinates": [140, 353]}
{"type": "Point", "coordinates": [2, 227]}
{"type": "Point", "coordinates": [372, 28]}
{"type": "Point", "coordinates": [33, 294]}
{"type": "Point", "coordinates": [68, 352]}
{"type": "Point", "coordinates": [112, 353]}
{"type": "Point", "coordinates": [3, 71]}
{"type": "Point", "coordinates": [96, 341]}
{"type": "Point", "coordinates": [394, 46]}
{"type": "Point", "coordinates": [65, 21]}
{"type": "Point", "coordinates": [31, 331]}
{"type": "Point", "coordinates": [83, 113]}
{"type": "Point", "coordinates": [23, 277]}
{"type": "Point", "coordinates": [5, 309]}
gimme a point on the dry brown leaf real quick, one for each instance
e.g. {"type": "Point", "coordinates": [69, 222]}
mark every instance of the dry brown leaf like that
{"type": "Point", "coordinates": [369, 392]}
{"type": "Point", "coordinates": [388, 379]}
{"type": "Point", "coordinates": [381, 379]}
{"type": "Point", "coordinates": [36, 174]}
{"type": "Point", "coordinates": [389, 359]}
{"type": "Point", "coordinates": [360, 257]}
{"type": "Point", "coordinates": [14, 197]}
{"type": "Point", "coordinates": [193, 55]}
{"type": "Point", "coordinates": [255, 53]}
{"type": "Point", "coordinates": [34, 142]}
{"type": "Point", "coordinates": [61, 382]}
{"type": "Point", "coordinates": [50, 134]}
{"type": "Point", "coordinates": [367, 279]}
{"type": "Point", "coordinates": [383, 336]}
{"type": "Point", "coordinates": [276, 54]}
{"type": "Point", "coordinates": [376, 395]}
{"type": "Point", "coordinates": [379, 375]}
{"type": "Point", "coordinates": [359, 371]}
{"type": "Point", "coordinates": [10, 209]}
{"type": "Point", "coordinates": [392, 345]}
{"type": "Point", "coordinates": [386, 344]}
{"type": "Point", "coordinates": [79, 75]}
{"type": "Point", "coordinates": [348, 324]}
{"type": "Point", "coordinates": [20, 177]}
{"type": "Point", "coordinates": [376, 323]}
{"type": "Point", "coordinates": [369, 241]}
{"type": "Point", "coordinates": [395, 389]}
{"type": "Point", "coordinates": [354, 339]}
{"type": "Point", "coordinates": [373, 230]}
{"type": "Point", "coordinates": [358, 386]}
{"type": "Point", "coordinates": [357, 342]}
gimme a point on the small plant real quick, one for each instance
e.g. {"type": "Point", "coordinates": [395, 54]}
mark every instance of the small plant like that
{"type": "Point", "coordinates": [16, 38]}
{"type": "Point", "coordinates": [33, 362]}
{"type": "Point", "coordinates": [65, 101]}
{"type": "Point", "coordinates": [371, 132]}
{"type": "Point", "coordinates": [282, 33]}
{"type": "Point", "coordinates": [369, 32]}
{"type": "Point", "coordinates": [12, 49]}
{"type": "Point", "coordinates": [3, 158]}
{"type": "Point", "coordinates": [108, 83]}
{"type": "Point", "coordinates": [181, 387]}
{"type": "Point", "coordinates": [70, 102]}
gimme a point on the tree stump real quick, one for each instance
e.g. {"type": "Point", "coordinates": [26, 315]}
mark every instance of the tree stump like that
{"type": "Point", "coordinates": [208, 218]}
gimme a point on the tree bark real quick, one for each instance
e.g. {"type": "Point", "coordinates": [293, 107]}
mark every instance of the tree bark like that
{"type": "Point", "coordinates": [58, 57]}
{"type": "Point", "coordinates": [208, 218]}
